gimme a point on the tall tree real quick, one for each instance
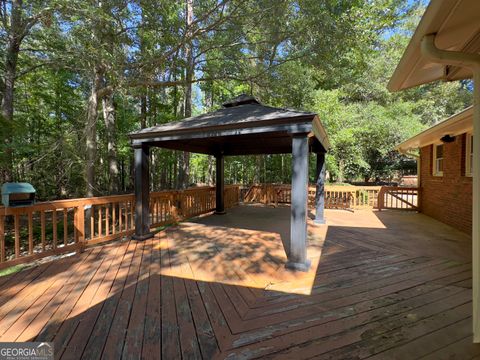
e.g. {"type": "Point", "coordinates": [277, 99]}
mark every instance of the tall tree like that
{"type": "Point", "coordinates": [184, 158]}
{"type": "Point", "coordinates": [18, 19]}
{"type": "Point", "coordinates": [109, 117]}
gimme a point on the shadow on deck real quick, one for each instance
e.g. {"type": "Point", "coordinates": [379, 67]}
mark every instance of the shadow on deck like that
{"type": "Point", "coordinates": [382, 285]}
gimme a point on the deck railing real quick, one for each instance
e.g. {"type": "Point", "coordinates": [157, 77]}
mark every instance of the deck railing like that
{"type": "Point", "coordinates": [403, 198]}
{"type": "Point", "coordinates": [55, 227]}
{"type": "Point", "coordinates": [341, 197]}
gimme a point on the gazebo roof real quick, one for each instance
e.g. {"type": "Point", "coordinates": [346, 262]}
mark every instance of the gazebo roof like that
{"type": "Point", "coordinates": [243, 126]}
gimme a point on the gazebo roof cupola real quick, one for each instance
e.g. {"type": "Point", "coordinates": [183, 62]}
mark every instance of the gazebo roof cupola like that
{"type": "Point", "coordinates": [241, 100]}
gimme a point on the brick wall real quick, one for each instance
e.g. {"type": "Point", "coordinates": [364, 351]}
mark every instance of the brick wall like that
{"type": "Point", "coordinates": [447, 198]}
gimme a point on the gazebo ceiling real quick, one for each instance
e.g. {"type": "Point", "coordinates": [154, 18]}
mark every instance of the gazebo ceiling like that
{"type": "Point", "coordinates": [242, 127]}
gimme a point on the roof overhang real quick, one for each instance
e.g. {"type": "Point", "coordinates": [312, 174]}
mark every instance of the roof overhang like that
{"type": "Point", "coordinates": [457, 27]}
{"type": "Point", "coordinates": [457, 124]}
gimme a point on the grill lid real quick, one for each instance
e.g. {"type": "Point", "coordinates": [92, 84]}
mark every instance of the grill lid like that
{"type": "Point", "coordinates": [17, 188]}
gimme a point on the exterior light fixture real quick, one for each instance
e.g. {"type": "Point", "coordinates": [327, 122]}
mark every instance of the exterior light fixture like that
{"type": "Point", "coordinates": [447, 139]}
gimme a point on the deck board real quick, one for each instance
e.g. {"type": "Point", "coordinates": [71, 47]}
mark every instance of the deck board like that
{"type": "Point", "coordinates": [98, 337]}
{"type": "Point", "coordinates": [203, 290]}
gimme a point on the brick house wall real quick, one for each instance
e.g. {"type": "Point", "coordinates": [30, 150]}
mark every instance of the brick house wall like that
{"type": "Point", "coordinates": [447, 198]}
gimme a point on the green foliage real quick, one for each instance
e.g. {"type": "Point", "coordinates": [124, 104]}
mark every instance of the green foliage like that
{"type": "Point", "coordinates": [332, 57]}
{"type": "Point", "coordinates": [363, 134]}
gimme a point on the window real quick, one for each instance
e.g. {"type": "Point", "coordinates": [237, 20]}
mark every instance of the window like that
{"type": "Point", "coordinates": [469, 155]}
{"type": "Point", "coordinates": [438, 159]}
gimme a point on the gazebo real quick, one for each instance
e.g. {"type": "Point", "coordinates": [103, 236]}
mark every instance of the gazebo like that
{"type": "Point", "coordinates": [242, 127]}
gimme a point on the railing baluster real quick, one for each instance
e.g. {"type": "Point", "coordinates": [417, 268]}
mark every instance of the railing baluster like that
{"type": "Point", "coordinates": [65, 226]}
{"type": "Point", "coordinates": [55, 234]}
{"type": "Point", "coordinates": [114, 218]}
{"type": "Point", "coordinates": [42, 229]}
{"type": "Point", "coordinates": [17, 235]}
{"type": "Point", "coordinates": [132, 212]}
{"type": "Point", "coordinates": [92, 223]}
{"type": "Point", "coordinates": [107, 223]}
{"type": "Point", "coordinates": [30, 232]}
{"type": "Point", "coordinates": [126, 216]}
{"type": "Point", "coordinates": [99, 221]}
{"type": "Point", "coordinates": [120, 216]}
{"type": "Point", "coordinates": [125, 213]}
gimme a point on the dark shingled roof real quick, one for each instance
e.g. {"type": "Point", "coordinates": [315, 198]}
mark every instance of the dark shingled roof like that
{"type": "Point", "coordinates": [242, 116]}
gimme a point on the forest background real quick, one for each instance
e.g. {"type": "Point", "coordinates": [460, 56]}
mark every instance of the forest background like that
{"type": "Point", "coordinates": [76, 76]}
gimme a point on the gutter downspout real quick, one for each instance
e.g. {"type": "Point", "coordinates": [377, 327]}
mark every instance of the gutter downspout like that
{"type": "Point", "coordinates": [471, 61]}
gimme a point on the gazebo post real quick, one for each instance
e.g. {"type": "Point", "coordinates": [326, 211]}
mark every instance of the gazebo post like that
{"type": "Point", "coordinates": [320, 189]}
{"type": "Point", "coordinates": [220, 184]}
{"type": "Point", "coordinates": [142, 193]}
{"type": "Point", "coordinates": [297, 252]}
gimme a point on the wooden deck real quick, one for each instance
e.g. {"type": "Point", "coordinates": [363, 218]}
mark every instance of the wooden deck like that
{"type": "Point", "coordinates": [383, 285]}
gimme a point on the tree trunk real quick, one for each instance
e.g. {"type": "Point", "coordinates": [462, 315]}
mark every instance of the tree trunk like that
{"type": "Point", "coordinates": [91, 133]}
{"type": "Point", "coordinates": [175, 172]}
{"type": "Point", "coordinates": [143, 111]}
{"type": "Point", "coordinates": [258, 169]}
{"type": "Point", "coordinates": [341, 170]}
{"type": "Point", "coordinates": [184, 161]}
{"type": "Point", "coordinates": [163, 171]}
{"type": "Point", "coordinates": [112, 156]}
{"type": "Point", "coordinates": [210, 170]}
{"type": "Point", "coordinates": [122, 174]}
{"type": "Point", "coordinates": [14, 39]}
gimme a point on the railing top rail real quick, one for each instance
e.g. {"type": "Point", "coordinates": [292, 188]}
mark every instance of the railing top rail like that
{"type": "Point", "coordinates": [99, 200]}
{"type": "Point", "coordinates": [67, 203]}
{"type": "Point", "coordinates": [402, 188]}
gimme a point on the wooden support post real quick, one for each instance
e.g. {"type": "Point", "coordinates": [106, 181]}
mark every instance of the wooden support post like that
{"type": "Point", "coordinates": [220, 185]}
{"type": "Point", "coordinates": [297, 252]}
{"type": "Point", "coordinates": [320, 190]}
{"type": "Point", "coordinates": [142, 193]}
{"type": "Point", "coordinates": [79, 214]}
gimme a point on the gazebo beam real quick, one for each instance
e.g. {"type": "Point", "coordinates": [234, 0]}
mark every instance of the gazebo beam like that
{"type": "Point", "coordinates": [320, 189]}
{"type": "Point", "coordinates": [142, 193]}
{"type": "Point", "coordinates": [297, 249]}
{"type": "Point", "coordinates": [220, 184]}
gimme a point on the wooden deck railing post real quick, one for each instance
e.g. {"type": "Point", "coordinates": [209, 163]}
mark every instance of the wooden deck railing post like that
{"type": "Point", "coordinates": [381, 200]}
{"type": "Point", "coordinates": [79, 221]}
{"type": "Point", "coordinates": [173, 207]}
